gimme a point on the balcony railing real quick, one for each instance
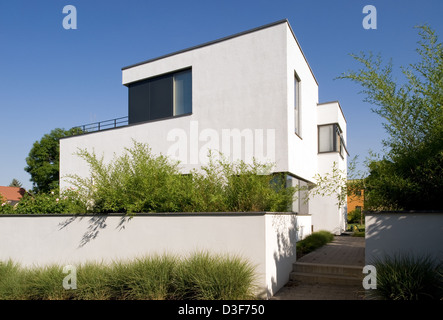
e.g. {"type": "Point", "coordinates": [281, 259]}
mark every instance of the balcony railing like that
{"type": "Point", "coordinates": [103, 125]}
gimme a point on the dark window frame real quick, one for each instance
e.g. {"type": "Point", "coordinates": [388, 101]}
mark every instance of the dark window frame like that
{"type": "Point", "coordinates": [338, 144]}
{"type": "Point", "coordinates": [145, 106]}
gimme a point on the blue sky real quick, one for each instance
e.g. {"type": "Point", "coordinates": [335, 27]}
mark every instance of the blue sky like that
{"type": "Point", "coordinates": [57, 78]}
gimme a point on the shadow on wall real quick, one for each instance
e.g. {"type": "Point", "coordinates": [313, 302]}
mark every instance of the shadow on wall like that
{"type": "Point", "coordinates": [96, 223]}
{"type": "Point", "coordinates": [287, 235]}
{"type": "Point", "coordinates": [416, 233]}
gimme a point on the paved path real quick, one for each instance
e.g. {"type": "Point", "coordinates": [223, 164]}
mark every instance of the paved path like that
{"type": "Point", "coordinates": [344, 250]}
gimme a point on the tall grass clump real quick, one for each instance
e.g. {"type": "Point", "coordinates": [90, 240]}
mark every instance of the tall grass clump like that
{"type": "Point", "coordinates": [166, 277]}
{"type": "Point", "coordinates": [139, 181]}
{"type": "Point", "coordinates": [94, 282]}
{"type": "Point", "coordinates": [148, 278]}
{"type": "Point", "coordinates": [11, 281]}
{"type": "Point", "coordinates": [408, 277]}
{"type": "Point", "coordinates": [45, 283]}
{"type": "Point", "coordinates": [214, 277]}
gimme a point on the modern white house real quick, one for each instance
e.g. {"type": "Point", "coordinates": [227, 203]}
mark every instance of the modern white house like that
{"type": "Point", "coordinates": [252, 94]}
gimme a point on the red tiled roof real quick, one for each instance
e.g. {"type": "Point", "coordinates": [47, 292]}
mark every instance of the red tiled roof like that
{"type": "Point", "coordinates": [12, 193]}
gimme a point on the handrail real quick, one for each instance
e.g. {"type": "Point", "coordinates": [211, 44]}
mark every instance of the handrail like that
{"type": "Point", "coordinates": [103, 125]}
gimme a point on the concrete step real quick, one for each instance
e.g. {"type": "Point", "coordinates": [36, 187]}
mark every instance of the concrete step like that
{"type": "Point", "coordinates": [318, 278]}
{"type": "Point", "coordinates": [326, 274]}
{"type": "Point", "coordinates": [345, 270]}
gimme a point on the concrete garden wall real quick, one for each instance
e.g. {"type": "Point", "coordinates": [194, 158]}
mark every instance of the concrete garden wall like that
{"type": "Point", "coordinates": [415, 233]}
{"type": "Point", "coordinates": [267, 240]}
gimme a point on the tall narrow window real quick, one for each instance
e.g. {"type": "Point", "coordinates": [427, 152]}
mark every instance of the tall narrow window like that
{"type": "Point", "coordinates": [330, 139]}
{"type": "Point", "coordinates": [297, 121]}
{"type": "Point", "coordinates": [182, 92]}
{"type": "Point", "coordinates": [326, 138]}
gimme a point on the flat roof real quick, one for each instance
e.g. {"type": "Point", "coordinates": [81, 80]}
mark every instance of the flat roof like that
{"type": "Point", "coordinates": [228, 38]}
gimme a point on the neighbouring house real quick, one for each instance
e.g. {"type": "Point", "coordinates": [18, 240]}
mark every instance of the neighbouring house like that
{"type": "Point", "coordinates": [249, 95]}
{"type": "Point", "coordinates": [356, 200]}
{"type": "Point", "coordinates": [11, 195]}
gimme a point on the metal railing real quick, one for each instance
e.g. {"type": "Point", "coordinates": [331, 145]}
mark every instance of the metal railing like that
{"type": "Point", "coordinates": [102, 125]}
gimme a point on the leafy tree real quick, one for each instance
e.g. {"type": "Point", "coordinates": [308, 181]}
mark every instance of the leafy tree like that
{"type": "Point", "coordinates": [43, 160]}
{"type": "Point", "coordinates": [331, 184]}
{"type": "Point", "coordinates": [410, 173]}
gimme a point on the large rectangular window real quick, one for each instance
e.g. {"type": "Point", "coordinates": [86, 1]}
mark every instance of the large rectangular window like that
{"type": "Point", "coordinates": [160, 97]}
{"type": "Point", "coordinates": [330, 139]}
{"type": "Point", "coordinates": [297, 112]}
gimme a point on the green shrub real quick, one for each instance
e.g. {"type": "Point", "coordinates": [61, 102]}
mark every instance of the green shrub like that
{"type": "Point", "coordinates": [406, 277]}
{"type": "Point", "coordinates": [6, 208]}
{"type": "Point", "coordinates": [213, 277]}
{"type": "Point", "coordinates": [356, 216]}
{"type": "Point", "coordinates": [139, 181]}
{"type": "Point", "coordinates": [48, 203]}
{"type": "Point", "coordinates": [201, 276]}
{"type": "Point", "coordinates": [314, 241]}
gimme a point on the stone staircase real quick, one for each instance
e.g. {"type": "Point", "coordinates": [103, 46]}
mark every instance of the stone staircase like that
{"type": "Point", "coordinates": [331, 274]}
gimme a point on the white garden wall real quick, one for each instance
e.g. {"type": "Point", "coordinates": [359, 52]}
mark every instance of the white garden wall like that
{"type": "Point", "coordinates": [415, 233]}
{"type": "Point", "coordinates": [267, 240]}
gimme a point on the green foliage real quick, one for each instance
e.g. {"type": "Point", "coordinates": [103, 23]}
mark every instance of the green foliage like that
{"type": "Point", "coordinates": [314, 241]}
{"type": "Point", "coordinates": [356, 216]}
{"type": "Point", "coordinates": [49, 203]}
{"type": "Point", "coordinates": [12, 281]}
{"type": "Point", "coordinates": [43, 160]}
{"type": "Point", "coordinates": [410, 174]}
{"type": "Point", "coordinates": [214, 277]}
{"type": "Point", "coordinates": [139, 181]}
{"type": "Point", "coordinates": [148, 278]}
{"type": "Point", "coordinates": [405, 277]}
{"type": "Point", "coordinates": [332, 183]}
{"type": "Point", "coordinates": [45, 283]}
{"type": "Point", "coordinates": [5, 207]}
{"type": "Point", "coordinates": [201, 276]}
{"type": "Point", "coordinates": [94, 282]}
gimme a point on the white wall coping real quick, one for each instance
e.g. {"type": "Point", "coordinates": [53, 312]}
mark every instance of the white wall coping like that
{"type": "Point", "coordinates": [402, 212]}
{"type": "Point", "coordinates": [153, 214]}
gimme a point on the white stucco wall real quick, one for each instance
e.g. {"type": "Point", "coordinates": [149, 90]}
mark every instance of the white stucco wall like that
{"type": "Point", "coordinates": [266, 240]}
{"type": "Point", "coordinates": [413, 233]}
{"type": "Point", "coordinates": [326, 214]}
{"type": "Point", "coordinates": [302, 148]}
